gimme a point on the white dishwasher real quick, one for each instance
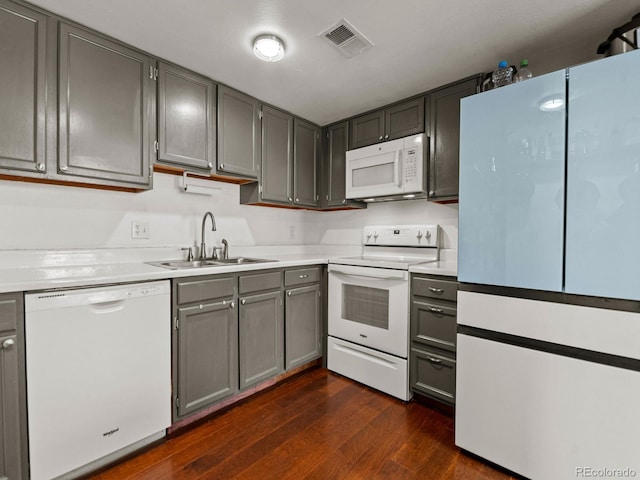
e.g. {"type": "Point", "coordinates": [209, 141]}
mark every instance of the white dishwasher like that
{"type": "Point", "coordinates": [98, 374]}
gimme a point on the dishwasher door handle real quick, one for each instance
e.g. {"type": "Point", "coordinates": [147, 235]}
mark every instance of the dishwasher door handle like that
{"type": "Point", "coordinates": [107, 307]}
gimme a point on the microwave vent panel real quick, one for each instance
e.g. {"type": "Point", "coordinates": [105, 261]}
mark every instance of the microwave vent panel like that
{"type": "Point", "coordinates": [347, 39]}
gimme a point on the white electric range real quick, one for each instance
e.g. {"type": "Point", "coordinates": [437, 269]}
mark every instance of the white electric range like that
{"type": "Point", "coordinates": [369, 306]}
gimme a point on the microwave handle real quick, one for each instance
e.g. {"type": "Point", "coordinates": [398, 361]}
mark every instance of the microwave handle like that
{"type": "Point", "coordinates": [396, 165]}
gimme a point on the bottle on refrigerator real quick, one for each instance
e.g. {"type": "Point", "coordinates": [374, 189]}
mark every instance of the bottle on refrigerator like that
{"type": "Point", "coordinates": [503, 75]}
{"type": "Point", "coordinates": [524, 73]}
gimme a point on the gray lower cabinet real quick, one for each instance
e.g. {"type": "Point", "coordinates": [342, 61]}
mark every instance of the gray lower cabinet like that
{"type": "Point", "coordinates": [277, 156]}
{"type": "Point", "coordinates": [303, 316]}
{"type": "Point", "coordinates": [106, 98]}
{"type": "Point", "coordinates": [27, 96]}
{"type": "Point", "coordinates": [444, 136]}
{"type": "Point", "coordinates": [239, 133]}
{"type": "Point", "coordinates": [261, 335]}
{"type": "Point", "coordinates": [186, 119]}
{"type": "Point", "coordinates": [395, 121]}
{"type": "Point", "coordinates": [432, 363]}
{"type": "Point", "coordinates": [306, 149]}
{"type": "Point", "coordinates": [205, 342]}
{"type": "Point", "coordinates": [13, 426]}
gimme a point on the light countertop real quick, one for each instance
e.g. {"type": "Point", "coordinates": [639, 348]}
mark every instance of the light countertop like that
{"type": "Point", "coordinates": [448, 268]}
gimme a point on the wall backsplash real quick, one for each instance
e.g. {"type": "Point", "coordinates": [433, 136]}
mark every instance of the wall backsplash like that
{"type": "Point", "coordinates": [38, 216]}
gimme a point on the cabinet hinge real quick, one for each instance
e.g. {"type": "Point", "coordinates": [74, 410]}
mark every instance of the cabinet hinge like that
{"type": "Point", "coordinates": [317, 198]}
{"type": "Point", "coordinates": [260, 114]}
{"type": "Point", "coordinates": [260, 189]}
{"type": "Point", "coordinates": [155, 146]}
{"type": "Point", "coordinates": [327, 134]}
{"type": "Point", "coordinates": [177, 323]}
{"type": "Point", "coordinates": [177, 402]}
{"type": "Point", "coordinates": [151, 72]}
{"type": "Point", "coordinates": [155, 73]}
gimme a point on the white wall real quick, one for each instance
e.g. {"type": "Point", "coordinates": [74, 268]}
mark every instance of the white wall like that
{"type": "Point", "coordinates": [37, 216]}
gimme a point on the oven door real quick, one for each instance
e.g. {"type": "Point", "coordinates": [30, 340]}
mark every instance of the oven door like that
{"type": "Point", "coordinates": [370, 306]}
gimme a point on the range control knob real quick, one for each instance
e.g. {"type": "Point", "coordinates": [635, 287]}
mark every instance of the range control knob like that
{"type": "Point", "coordinates": [419, 235]}
{"type": "Point", "coordinates": [375, 235]}
{"type": "Point", "coordinates": [369, 235]}
{"type": "Point", "coordinates": [427, 234]}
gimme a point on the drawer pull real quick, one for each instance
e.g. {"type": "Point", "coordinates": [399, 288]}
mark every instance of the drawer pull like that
{"type": "Point", "coordinates": [434, 360]}
{"type": "Point", "coordinates": [436, 310]}
{"type": "Point", "coordinates": [303, 276]}
{"type": "Point", "coordinates": [436, 290]}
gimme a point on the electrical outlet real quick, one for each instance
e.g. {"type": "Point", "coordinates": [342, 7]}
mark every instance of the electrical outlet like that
{"type": "Point", "coordinates": [140, 229]}
{"type": "Point", "coordinates": [292, 232]}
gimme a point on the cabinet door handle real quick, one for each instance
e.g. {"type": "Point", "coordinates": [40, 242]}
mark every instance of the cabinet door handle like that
{"type": "Point", "coordinates": [436, 290]}
{"type": "Point", "coordinates": [380, 138]}
{"type": "Point", "coordinates": [210, 165]}
{"type": "Point", "coordinates": [243, 301]}
{"type": "Point", "coordinates": [436, 310]}
{"type": "Point", "coordinates": [232, 305]}
{"type": "Point", "coordinates": [434, 360]}
{"type": "Point", "coordinates": [289, 293]}
{"type": "Point", "coordinates": [290, 199]}
{"type": "Point", "coordinates": [8, 343]}
{"type": "Point", "coordinates": [40, 167]}
{"type": "Point", "coordinates": [386, 137]}
{"type": "Point", "coordinates": [64, 168]}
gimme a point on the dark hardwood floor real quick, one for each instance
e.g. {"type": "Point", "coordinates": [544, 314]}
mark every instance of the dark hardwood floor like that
{"type": "Point", "coordinates": [314, 426]}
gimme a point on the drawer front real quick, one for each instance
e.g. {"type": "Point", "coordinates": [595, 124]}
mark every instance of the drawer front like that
{"type": "Point", "coordinates": [433, 324]}
{"type": "Point", "coordinates": [301, 276]}
{"type": "Point", "coordinates": [203, 290]}
{"type": "Point", "coordinates": [433, 374]}
{"type": "Point", "coordinates": [258, 282]}
{"type": "Point", "coordinates": [429, 287]}
{"type": "Point", "coordinates": [9, 305]}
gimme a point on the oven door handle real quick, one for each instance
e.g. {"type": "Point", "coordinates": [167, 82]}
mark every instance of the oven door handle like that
{"type": "Point", "coordinates": [369, 273]}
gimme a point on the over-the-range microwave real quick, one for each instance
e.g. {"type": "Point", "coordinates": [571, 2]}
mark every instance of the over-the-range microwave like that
{"type": "Point", "coordinates": [391, 170]}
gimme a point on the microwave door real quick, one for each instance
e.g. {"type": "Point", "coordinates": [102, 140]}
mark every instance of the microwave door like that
{"type": "Point", "coordinates": [375, 175]}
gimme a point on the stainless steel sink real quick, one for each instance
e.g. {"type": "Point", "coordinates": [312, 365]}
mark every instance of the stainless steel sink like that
{"type": "Point", "coordinates": [242, 260]}
{"type": "Point", "coordinates": [177, 264]}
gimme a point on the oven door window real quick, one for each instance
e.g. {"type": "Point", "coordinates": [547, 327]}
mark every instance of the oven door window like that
{"type": "Point", "coordinates": [366, 305]}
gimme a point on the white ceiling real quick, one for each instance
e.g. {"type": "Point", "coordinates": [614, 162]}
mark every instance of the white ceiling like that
{"type": "Point", "coordinates": [418, 44]}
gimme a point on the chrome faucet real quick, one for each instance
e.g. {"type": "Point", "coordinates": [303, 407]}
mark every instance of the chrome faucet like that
{"type": "Point", "coordinates": [203, 247]}
{"type": "Point", "coordinates": [225, 249]}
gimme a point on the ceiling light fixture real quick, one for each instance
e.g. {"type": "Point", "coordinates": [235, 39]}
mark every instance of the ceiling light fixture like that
{"type": "Point", "coordinates": [268, 48]}
{"type": "Point", "coordinates": [552, 104]}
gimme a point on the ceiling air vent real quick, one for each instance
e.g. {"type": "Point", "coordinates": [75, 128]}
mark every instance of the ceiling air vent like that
{"type": "Point", "coordinates": [347, 39]}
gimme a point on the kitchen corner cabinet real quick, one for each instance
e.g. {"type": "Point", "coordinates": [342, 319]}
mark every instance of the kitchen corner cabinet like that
{"type": "Point", "coordinates": [13, 423]}
{"type": "Point", "coordinates": [239, 133]}
{"type": "Point", "coordinates": [277, 156]}
{"type": "Point", "coordinates": [28, 88]}
{"type": "Point", "coordinates": [186, 119]}
{"type": "Point", "coordinates": [261, 327]}
{"type": "Point", "coordinates": [444, 136]}
{"type": "Point", "coordinates": [332, 170]}
{"type": "Point", "coordinates": [395, 121]}
{"type": "Point", "coordinates": [303, 316]}
{"type": "Point", "coordinates": [432, 360]}
{"type": "Point", "coordinates": [205, 342]}
{"type": "Point", "coordinates": [106, 101]}
{"type": "Point", "coordinates": [306, 149]}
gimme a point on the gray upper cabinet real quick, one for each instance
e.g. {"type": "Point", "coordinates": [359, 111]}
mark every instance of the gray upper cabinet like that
{"type": "Point", "coordinates": [186, 119]}
{"type": "Point", "coordinates": [107, 110]}
{"type": "Point", "coordinates": [306, 148]}
{"type": "Point", "coordinates": [366, 129]}
{"type": "Point", "coordinates": [28, 89]}
{"type": "Point", "coordinates": [207, 355]}
{"type": "Point", "coordinates": [394, 121]}
{"type": "Point", "coordinates": [402, 119]}
{"type": "Point", "coordinates": [277, 155]}
{"type": "Point", "coordinates": [261, 337]}
{"type": "Point", "coordinates": [444, 136]}
{"type": "Point", "coordinates": [13, 426]}
{"type": "Point", "coordinates": [238, 133]}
